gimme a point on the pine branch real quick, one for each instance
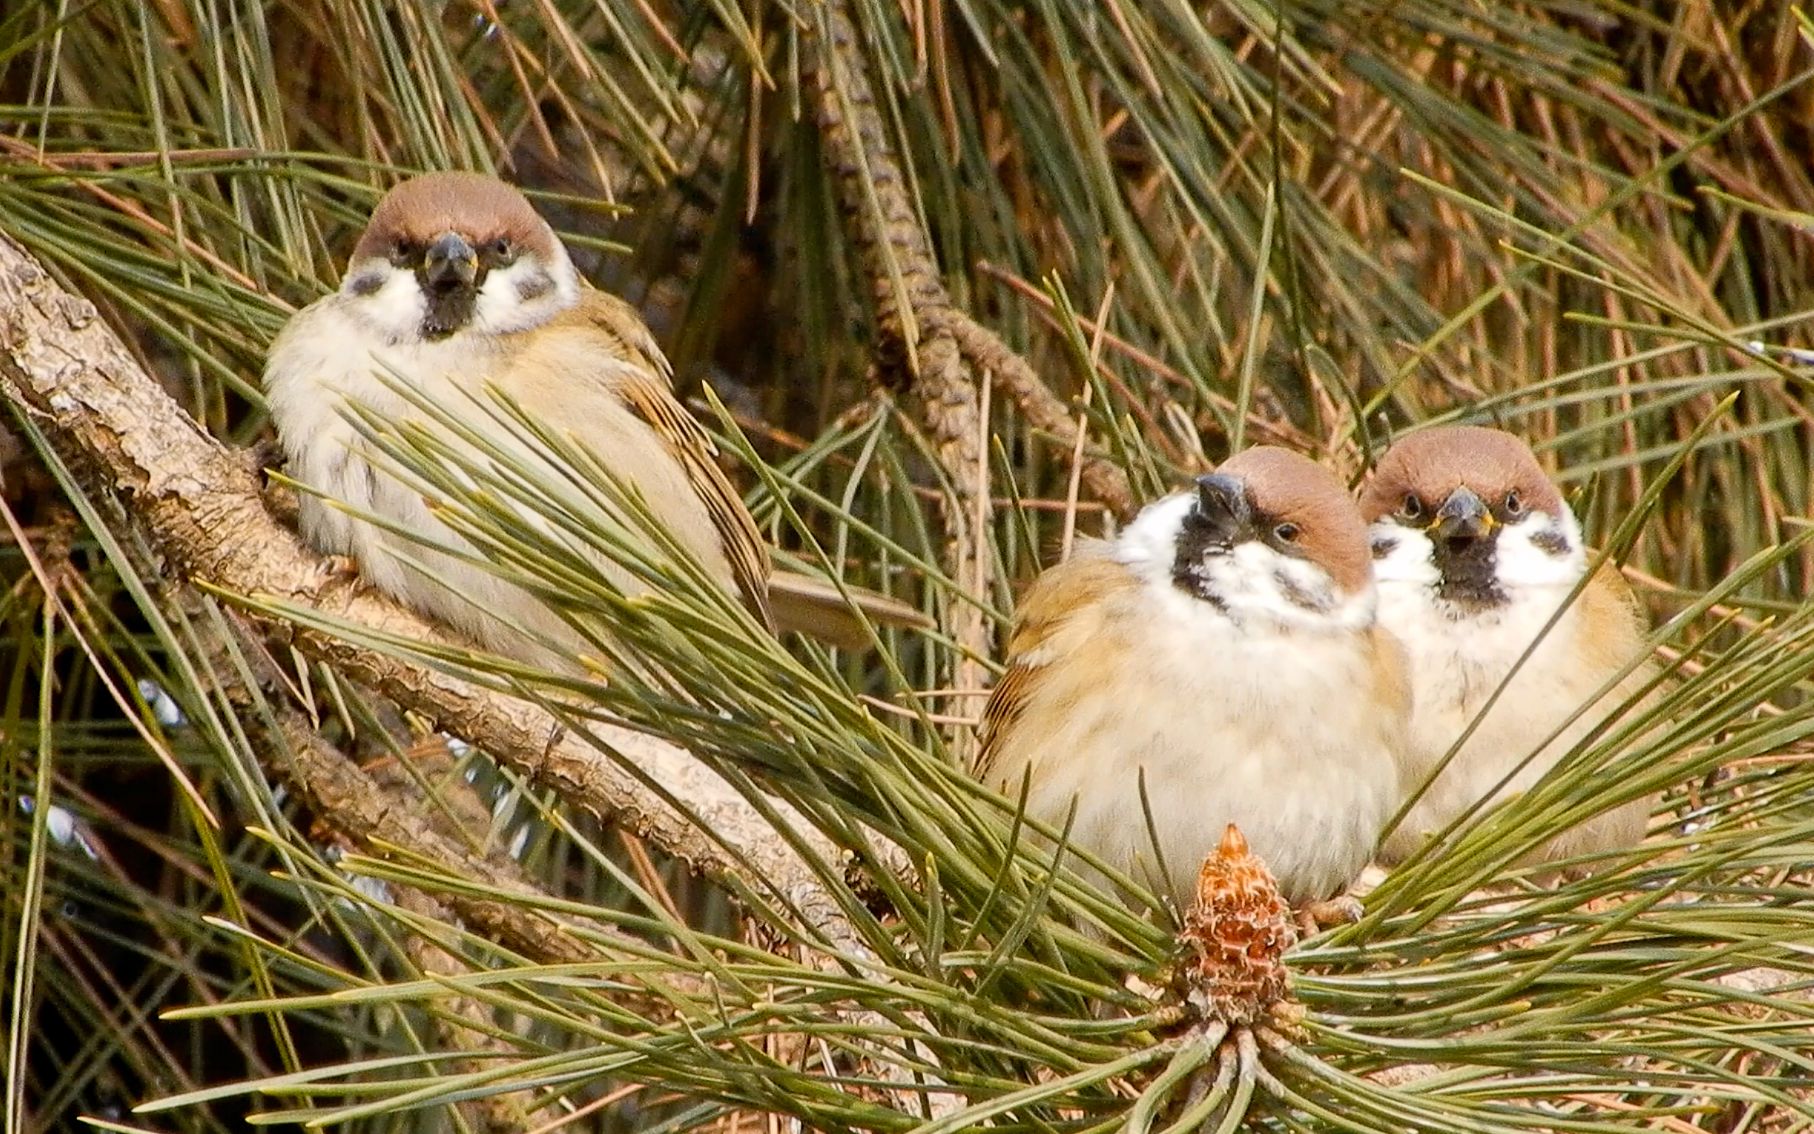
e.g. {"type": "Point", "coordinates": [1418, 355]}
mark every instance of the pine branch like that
{"type": "Point", "coordinates": [382, 820]}
{"type": "Point", "coordinates": [926, 336]}
{"type": "Point", "coordinates": [200, 506]}
{"type": "Point", "coordinates": [923, 330]}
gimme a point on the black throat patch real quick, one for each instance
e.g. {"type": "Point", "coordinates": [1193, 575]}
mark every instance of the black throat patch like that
{"type": "Point", "coordinates": [1469, 575]}
{"type": "Point", "coordinates": [1199, 538]}
{"type": "Point", "coordinates": [449, 308]}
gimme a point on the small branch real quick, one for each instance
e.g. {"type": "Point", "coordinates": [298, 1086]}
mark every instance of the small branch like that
{"type": "Point", "coordinates": [381, 820]}
{"type": "Point", "coordinates": [914, 313]}
{"type": "Point", "coordinates": [200, 505]}
{"type": "Point", "coordinates": [1044, 409]}
{"type": "Point", "coordinates": [1273, 429]}
{"type": "Point", "coordinates": [923, 333]}
{"type": "Point", "coordinates": [464, 1024]}
{"type": "Point", "coordinates": [61, 163]}
{"type": "Point", "coordinates": [61, 160]}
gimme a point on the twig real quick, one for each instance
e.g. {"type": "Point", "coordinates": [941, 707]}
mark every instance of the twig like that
{"type": "Point", "coordinates": [379, 819]}
{"type": "Point", "coordinates": [1040, 406]}
{"type": "Point", "coordinates": [57, 163]}
{"type": "Point", "coordinates": [912, 309]}
{"type": "Point", "coordinates": [463, 1025]}
{"type": "Point", "coordinates": [1275, 430]}
{"type": "Point", "coordinates": [922, 329]}
{"type": "Point", "coordinates": [111, 159]}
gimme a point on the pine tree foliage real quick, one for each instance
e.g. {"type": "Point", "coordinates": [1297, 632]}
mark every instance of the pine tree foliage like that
{"type": "Point", "coordinates": [1150, 234]}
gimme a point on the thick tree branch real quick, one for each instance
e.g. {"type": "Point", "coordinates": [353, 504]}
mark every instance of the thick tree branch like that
{"type": "Point", "coordinates": [201, 506]}
{"type": "Point", "coordinates": [360, 808]}
{"type": "Point", "coordinates": [376, 817]}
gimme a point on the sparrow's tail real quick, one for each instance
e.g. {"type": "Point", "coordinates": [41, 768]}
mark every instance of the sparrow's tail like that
{"type": "Point", "coordinates": [816, 607]}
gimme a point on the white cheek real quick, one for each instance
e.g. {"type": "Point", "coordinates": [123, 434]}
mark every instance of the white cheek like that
{"type": "Point", "coordinates": [1521, 562]}
{"type": "Point", "coordinates": [1408, 559]}
{"type": "Point", "coordinates": [500, 307]}
{"type": "Point", "coordinates": [1251, 580]}
{"type": "Point", "coordinates": [1247, 569]}
{"type": "Point", "coordinates": [395, 310]}
{"type": "Point", "coordinates": [1258, 583]}
{"type": "Point", "coordinates": [1147, 545]}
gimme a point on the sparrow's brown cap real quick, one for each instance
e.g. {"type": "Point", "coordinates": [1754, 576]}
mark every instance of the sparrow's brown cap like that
{"type": "Point", "coordinates": [1432, 463]}
{"type": "Point", "coordinates": [478, 207]}
{"type": "Point", "coordinates": [1285, 487]}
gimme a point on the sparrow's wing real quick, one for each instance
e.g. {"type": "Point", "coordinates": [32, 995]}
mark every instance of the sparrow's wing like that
{"type": "Point", "coordinates": [786, 601]}
{"type": "Point", "coordinates": [1065, 596]}
{"type": "Point", "coordinates": [1610, 588]}
{"type": "Point", "coordinates": [1006, 703]}
{"type": "Point", "coordinates": [645, 387]}
{"type": "Point", "coordinates": [1615, 619]}
{"type": "Point", "coordinates": [816, 607]}
{"type": "Point", "coordinates": [1392, 671]}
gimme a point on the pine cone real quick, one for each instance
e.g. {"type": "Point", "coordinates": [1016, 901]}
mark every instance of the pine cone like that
{"type": "Point", "coordinates": [1240, 928]}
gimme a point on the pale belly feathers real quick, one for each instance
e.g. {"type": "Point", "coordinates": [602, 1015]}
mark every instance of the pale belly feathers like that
{"type": "Point", "coordinates": [1276, 732]}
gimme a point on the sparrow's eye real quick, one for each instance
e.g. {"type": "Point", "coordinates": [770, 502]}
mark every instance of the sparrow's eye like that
{"type": "Point", "coordinates": [1286, 533]}
{"type": "Point", "coordinates": [406, 251]}
{"type": "Point", "coordinates": [499, 252]}
{"type": "Point", "coordinates": [1514, 504]}
{"type": "Point", "coordinates": [1412, 508]}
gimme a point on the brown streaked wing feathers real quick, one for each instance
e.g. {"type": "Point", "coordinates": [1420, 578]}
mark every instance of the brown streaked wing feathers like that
{"type": "Point", "coordinates": [648, 394]}
{"type": "Point", "coordinates": [1006, 702]}
{"type": "Point", "coordinates": [1065, 592]}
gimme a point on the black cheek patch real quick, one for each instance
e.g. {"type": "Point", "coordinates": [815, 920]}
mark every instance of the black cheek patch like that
{"type": "Point", "coordinates": [365, 283]}
{"type": "Point", "coordinates": [533, 287]}
{"type": "Point", "coordinates": [1382, 545]}
{"type": "Point", "coordinates": [1551, 541]}
{"type": "Point", "coordinates": [1297, 595]}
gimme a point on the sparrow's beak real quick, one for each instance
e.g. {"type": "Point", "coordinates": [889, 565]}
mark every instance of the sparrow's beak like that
{"type": "Point", "coordinates": [451, 264]}
{"type": "Point", "coordinates": [1462, 520]}
{"type": "Point", "coordinates": [1223, 501]}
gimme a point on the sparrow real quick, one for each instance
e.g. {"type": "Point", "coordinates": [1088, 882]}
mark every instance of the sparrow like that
{"type": "Point", "coordinates": [1219, 658]}
{"type": "Point", "coordinates": [1474, 551]}
{"type": "Point", "coordinates": [459, 288]}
